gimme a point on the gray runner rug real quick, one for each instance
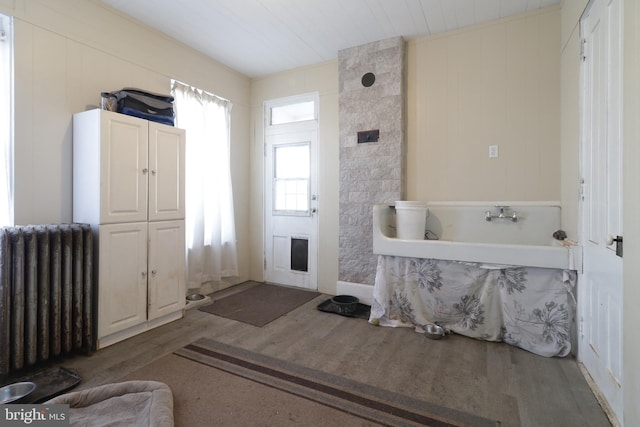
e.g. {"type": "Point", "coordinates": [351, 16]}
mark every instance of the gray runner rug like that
{"type": "Point", "coordinates": [339, 396]}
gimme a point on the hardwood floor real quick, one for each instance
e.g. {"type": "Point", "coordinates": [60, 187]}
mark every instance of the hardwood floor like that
{"type": "Point", "coordinates": [492, 380]}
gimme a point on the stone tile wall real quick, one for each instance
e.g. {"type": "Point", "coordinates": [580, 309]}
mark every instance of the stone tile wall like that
{"type": "Point", "coordinates": [372, 172]}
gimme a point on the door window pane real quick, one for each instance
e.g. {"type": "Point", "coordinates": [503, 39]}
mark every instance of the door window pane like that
{"type": "Point", "coordinates": [291, 178]}
{"type": "Point", "coordinates": [293, 113]}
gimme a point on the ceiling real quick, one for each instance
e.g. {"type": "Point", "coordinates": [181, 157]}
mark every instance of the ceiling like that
{"type": "Point", "coordinates": [261, 37]}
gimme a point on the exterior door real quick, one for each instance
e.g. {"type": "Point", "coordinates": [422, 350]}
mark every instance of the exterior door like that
{"type": "Point", "coordinates": [600, 293]}
{"type": "Point", "coordinates": [291, 205]}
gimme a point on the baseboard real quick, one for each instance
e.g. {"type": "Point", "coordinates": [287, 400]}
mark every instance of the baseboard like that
{"type": "Point", "coordinates": [138, 329]}
{"type": "Point", "coordinates": [359, 290]}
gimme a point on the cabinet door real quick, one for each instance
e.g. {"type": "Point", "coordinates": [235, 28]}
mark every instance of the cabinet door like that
{"type": "Point", "coordinates": [167, 291]}
{"type": "Point", "coordinates": [124, 168]}
{"type": "Point", "coordinates": [166, 167]}
{"type": "Point", "coordinates": [122, 277]}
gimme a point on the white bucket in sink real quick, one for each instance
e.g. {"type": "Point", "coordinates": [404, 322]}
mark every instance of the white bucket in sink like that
{"type": "Point", "coordinates": [411, 219]}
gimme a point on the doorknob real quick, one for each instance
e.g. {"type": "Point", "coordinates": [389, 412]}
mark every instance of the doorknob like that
{"type": "Point", "coordinates": [314, 210]}
{"type": "Point", "coordinates": [610, 240]}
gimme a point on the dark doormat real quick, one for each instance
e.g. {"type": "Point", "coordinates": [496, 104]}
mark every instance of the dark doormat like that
{"type": "Point", "coordinates": [260, 304]}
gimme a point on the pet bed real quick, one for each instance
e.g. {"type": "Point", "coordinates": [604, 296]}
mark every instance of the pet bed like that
{"type": "Point", "coordinates": [130, 403]}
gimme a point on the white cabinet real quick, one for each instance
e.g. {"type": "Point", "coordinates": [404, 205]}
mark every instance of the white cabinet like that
{"type": "Point", "coordinates": [166, 172]}
{"type": "Point", "coordinates": [165, 266]}
{"type": "Point", "coordinates": [122, 277]}
{"type": "Point", "coordinates": [128, 183]}
{"type": "Point", "coordinates": [130, 169]}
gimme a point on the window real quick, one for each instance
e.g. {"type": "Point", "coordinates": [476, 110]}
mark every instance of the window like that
{"type": "Point", "coordinates": [6, 120]}
{"type": "Point", "coordinates": [291, 178]}
{"type": "Point", "coordinates": [209, 221]}
{"type": "Point", "coordinates": [293, 113]}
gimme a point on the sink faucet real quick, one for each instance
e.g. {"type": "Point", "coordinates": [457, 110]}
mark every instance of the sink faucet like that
{"type": "Point", "coordinates": [502, 214]}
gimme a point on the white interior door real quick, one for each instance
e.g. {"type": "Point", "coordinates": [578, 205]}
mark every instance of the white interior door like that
{"type": "Point", "coordinates": [600, 292]}
{"type": "Point", "coordinates": [291, 205]}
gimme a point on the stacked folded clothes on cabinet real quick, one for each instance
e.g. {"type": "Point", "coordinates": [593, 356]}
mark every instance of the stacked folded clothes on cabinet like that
{"type": "Point", "coordinates": [143, 104]}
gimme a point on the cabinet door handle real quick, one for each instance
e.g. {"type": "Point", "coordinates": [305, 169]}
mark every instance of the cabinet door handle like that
{"type": "Point", "coordinates": [144, 274]}
{"type": "Point", "coordinates": [153, 272]}
{"type": "Point", "coordinates": [153, 171]}
{"type": "Point", "coordinates": [145, 170]}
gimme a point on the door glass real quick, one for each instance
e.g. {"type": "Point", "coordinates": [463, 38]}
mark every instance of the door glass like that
{"type": "Point", "coordinates": [293, 113]}
{"type": "Point", "coordinates": [291, 179]}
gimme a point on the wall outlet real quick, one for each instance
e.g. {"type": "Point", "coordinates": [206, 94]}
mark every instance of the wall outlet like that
{"type": "Point", "coordinates": [493, 151]}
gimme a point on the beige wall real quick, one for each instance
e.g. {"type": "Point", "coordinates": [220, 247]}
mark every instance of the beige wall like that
{"type": "Point", "coordinates": [496, 84]}
{"type": "Point", "coordinates": [322, 78]}
{"type": "Point", "coordinates": [66, 53]}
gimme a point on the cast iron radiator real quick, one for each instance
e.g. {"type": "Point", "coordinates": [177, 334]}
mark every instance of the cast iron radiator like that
{"type": "Point", "coordinates": [46, 294]}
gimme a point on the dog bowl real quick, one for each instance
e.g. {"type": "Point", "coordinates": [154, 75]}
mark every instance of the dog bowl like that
{"type": "Point", "coordinates": [12, 392]}
{"type": "Point", "coordinates": [195, 297]}
{"type": "Point", "coordinates": [434, 332]}
{"type": "Point", "coordinates": [346, 304]}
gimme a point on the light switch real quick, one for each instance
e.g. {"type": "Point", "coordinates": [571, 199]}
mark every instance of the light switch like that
{"type": "Point", "coordinates": [493, 151]}
{"type": "Point", "coordinates": [368, 136]}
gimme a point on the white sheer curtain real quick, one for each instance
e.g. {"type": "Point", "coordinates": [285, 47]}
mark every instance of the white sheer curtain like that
{"type": "Point", "coordinates": [6, 168]}
{"type": "Point", "coordinates": [211, 233]}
